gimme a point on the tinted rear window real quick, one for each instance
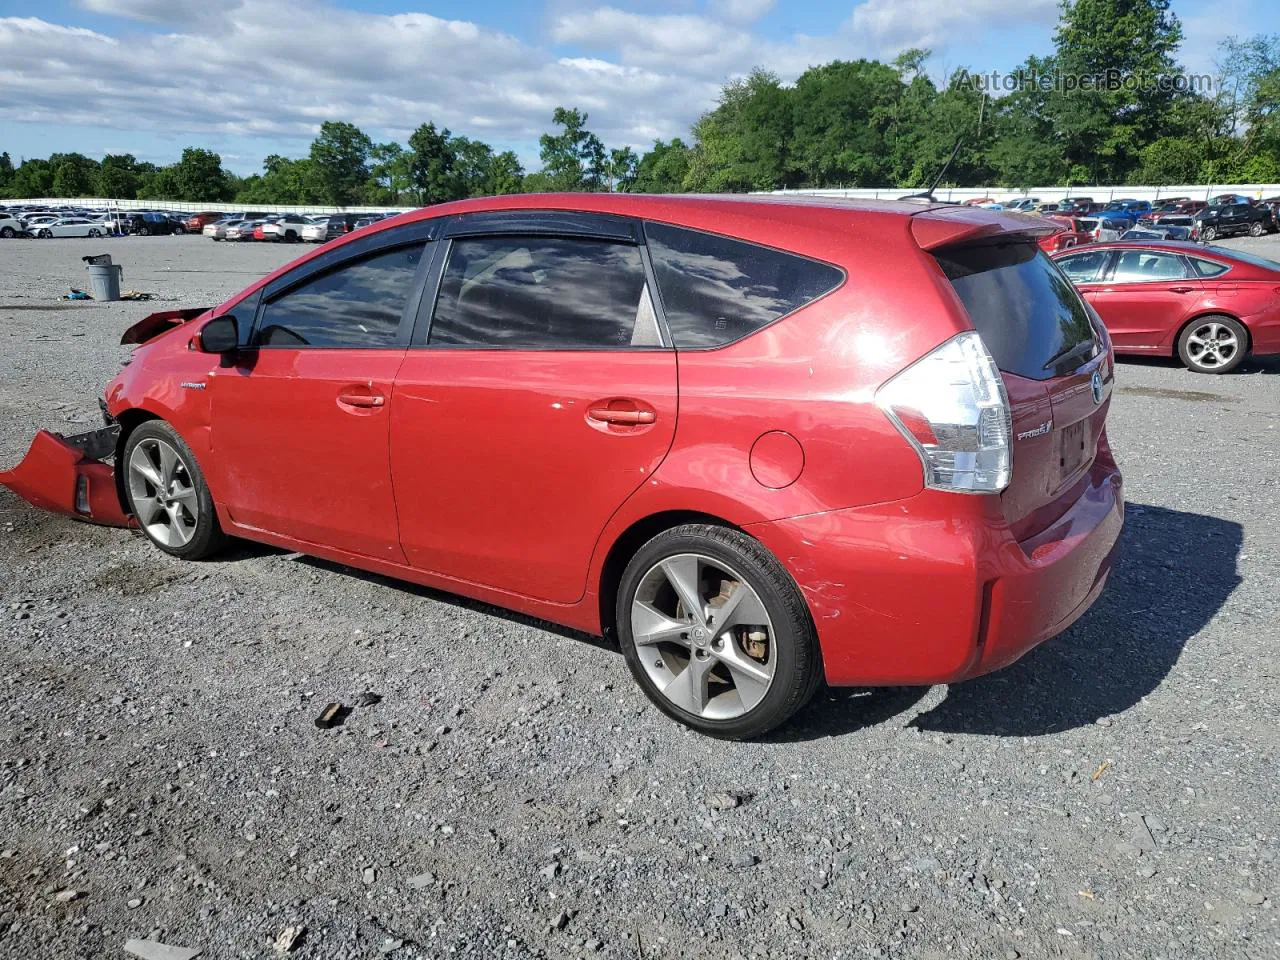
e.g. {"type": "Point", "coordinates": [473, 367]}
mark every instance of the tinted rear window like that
{"type": "Point", "coordinates": [1025, 309]}
{"type": "Point", "coordinates": [716, 290]}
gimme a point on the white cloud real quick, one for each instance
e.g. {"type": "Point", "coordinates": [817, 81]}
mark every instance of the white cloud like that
{"type": "Point", "coordinates": [275, 69]}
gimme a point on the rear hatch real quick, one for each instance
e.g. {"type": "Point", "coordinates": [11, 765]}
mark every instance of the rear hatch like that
{"type": "Point", "coordinates": [1054, 360]}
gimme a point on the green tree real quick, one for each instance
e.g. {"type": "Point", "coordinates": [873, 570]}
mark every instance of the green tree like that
{"type": "Point", "coordinates": [391, 168]}
{"type": "Point", "coordinates": [158, 183]}
{"type": "Point", "coordinates": [1171, 160]}
{"type": "Point", "coordinates": [6, 171]}
{"type": "Point", "coordinates": [198, 176]}
{"type": "Point", "coordinates": [574, 158]}
{"type": "Point", "coordinates": [744, 143]}
{"type": "Point", "coordinates": [73, 174]}
{"type": "Point", "coordinates": [1025, 150]}
{"type": "Point", "coordinates": [432, 165]}
{"type": "Point", "coordinates": [843, 113]}
{"type": "Point", "coordinates": [340, 159]}
{"type": "Point", "coordinates": [118, 177]}
{"type": "Point", "coordinates": [506, 175]}
{"type": "Point", "coordinates": [663, 168]}
{"type": "Point", "coordinates": [623, 164]}
{"type": "Point", "coordinates": [1104, 130]}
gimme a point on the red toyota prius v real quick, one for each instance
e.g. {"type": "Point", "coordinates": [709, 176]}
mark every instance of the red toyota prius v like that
{"type": "Point", "coordinates": [761, 442]}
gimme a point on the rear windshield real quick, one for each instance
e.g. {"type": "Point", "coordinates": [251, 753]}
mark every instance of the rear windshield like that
{"type": "Point", "coordinates": [1025, 309]}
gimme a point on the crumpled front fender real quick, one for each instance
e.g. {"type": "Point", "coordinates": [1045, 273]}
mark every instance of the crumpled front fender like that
{"type": "Point", "coordinates": [66, 475]}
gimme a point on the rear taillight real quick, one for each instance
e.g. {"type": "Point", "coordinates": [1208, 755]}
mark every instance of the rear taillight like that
{"type": "Point", "coordinates": [952, 408]}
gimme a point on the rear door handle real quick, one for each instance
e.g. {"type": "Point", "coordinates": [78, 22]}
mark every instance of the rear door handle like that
{"type": "Point", "coordinates": [629, 418]}
{"type": "Point", "coordinates": [363, 400]}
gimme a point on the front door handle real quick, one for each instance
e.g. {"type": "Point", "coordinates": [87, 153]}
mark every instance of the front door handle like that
{"type": "Point", "coordinates": [362, 400]}
{"type": "Point", "coordinates": [622, 417]}
{"type": "Point", "coordinates": [1181, 289]}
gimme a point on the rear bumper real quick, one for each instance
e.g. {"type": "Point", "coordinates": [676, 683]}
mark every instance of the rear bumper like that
{"type": "Point", "coordinates": [1264, 333]}
{"type": "Point", "coordinates": [935, 589]}
{"type": "Point", "coordinates": [67, 475]}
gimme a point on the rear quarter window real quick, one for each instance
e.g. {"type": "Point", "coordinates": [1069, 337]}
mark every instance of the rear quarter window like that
{"type": "Point", "coordinates": [1027, 312]}
{"type": "Point", "coordinates": [716, 290]}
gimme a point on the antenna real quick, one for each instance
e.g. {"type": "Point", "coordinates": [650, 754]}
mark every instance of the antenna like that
{"type": "Point", "coordinates": [928, 194]}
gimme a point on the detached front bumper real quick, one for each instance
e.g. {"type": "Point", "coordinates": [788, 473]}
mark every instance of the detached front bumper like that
{"type": "Point", "coordinates": [68, 475]}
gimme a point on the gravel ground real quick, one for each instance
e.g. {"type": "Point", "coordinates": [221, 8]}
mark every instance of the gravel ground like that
{"type": "Point", "coordinates": [1114, 794]}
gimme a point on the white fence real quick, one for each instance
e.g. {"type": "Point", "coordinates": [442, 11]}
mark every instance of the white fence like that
{"type": "Point", "coordinates": [179, 205]}
{"type": "Point", "coordinates": [1100, 194]}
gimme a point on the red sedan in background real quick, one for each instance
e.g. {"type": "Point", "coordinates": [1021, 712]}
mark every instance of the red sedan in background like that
{"type": "Point", "coordinates": [761, 442]}
{"type": "Point", "coordinates": [1209, 306]}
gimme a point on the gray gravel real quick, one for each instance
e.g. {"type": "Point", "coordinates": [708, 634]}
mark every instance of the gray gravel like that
{"type": "Point", "coordinates": [1114, 794]}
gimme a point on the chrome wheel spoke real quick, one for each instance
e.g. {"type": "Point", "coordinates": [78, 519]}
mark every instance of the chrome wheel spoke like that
{"type": "Point", "coordinates": [168, 464]}
{"type": "Point", "coordinates": [682, 573]}
{"type": "Point", "coordinates": [163, 497]}
{"type": "Point", "coordinates": [187, 497]}
{"type": "Point", "coordinates": [688, 690]}
{"type": "Point", "coordinates": [146, 508]}
{"type": "Point", "coordinates": [649, 625]}
{"type": "Point", "coordinates": [743, 606]}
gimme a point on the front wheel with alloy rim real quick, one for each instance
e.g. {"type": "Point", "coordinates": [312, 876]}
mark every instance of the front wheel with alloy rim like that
{"type": "Point", "coordinates": [167, 493]}
{"type": "Point", "coordinates": [1256, 229]}
{"type": "Point", "coordinates": [1212, 345]}
{"type": "Point", "coordinates": [716, 632]}
{"type": "Point", "coordinates": [1209, 234]}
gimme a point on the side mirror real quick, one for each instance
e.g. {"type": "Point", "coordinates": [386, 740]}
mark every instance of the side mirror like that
{"type": "Point", "coordinates": [220, 335]}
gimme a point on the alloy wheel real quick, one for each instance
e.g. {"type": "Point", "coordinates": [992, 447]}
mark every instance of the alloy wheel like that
{"type": "Point", "coordinates": [703, 636]}
{"type": "Point", "coordinates": [162, 493]}
{"type": "Point", "coordinates": [1212, 345]}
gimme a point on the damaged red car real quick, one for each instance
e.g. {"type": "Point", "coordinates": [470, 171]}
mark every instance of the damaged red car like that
{"type": "Point", "coordinates": [761, 442]}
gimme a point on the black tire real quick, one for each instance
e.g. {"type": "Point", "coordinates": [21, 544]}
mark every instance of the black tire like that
{"type": "Point", "coordinates": [1209, 234]}
{"type": "Point", "coordinates": [95, 232]}
{"type": "Point", "coordinates": [1192, 361]}
{"type": "Point", "coordinates": [144, 231]}
{"type": "Point", "coordinates": [179, 230]}
{"type": "Point", "coordinates": [207, 537]}
{"type": "Point", "coordinates": [6, 233]}
{"type": "Point", "coordinates": [44, 235]}
{"type": "Point", "coordinates": [798, 669]}
{"type": "Point", "coordinates": [1256, 229]}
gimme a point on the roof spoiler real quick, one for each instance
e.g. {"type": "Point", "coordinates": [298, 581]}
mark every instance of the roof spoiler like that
{"type": "Point", "coordinates": [949, 226]}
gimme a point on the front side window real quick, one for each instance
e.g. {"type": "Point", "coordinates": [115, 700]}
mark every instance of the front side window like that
{"type": "Point", "coordinates": [543, 293]}
{"type": "Point", "coordinates": [1083, 267]}
{"type": "Point", "coordinates": [357, 305]}
{"type": "Point", "coordinates": [1136, 266]}
{"type": "Point", "coordinates": [716, 290]}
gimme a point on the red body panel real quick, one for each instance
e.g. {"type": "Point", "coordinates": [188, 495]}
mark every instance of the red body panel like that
{"type": "Point", "coordinates": [1147, 317]}
{"type": "Point", "coordinates": [482, 473]}
{"type": "Point", "coordinates": [54, 474]}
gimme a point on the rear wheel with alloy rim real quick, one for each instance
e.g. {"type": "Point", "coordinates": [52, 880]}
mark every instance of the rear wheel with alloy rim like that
{"type": "Point", "coordinates": [1210, 234]}
{"type": "Point", "coordinates": [716, 632]}
{"type": "Point", "coordinates": [44, 234]}
{"type": "Point", "coordinates": [167, 493]}
{"type": "Point", "coordinates": [1256, 229]}
{"type": "Point", "coordinates": [1212, 345]}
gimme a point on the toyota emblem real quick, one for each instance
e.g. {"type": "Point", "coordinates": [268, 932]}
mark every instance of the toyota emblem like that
{"type": "Point", "coordinates": [1096, 383]}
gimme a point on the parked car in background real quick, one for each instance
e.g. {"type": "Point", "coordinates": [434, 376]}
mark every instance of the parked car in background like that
{"type": "Point", "coordinates": [340, 224]}
{"type": "Point", "coordinates": [1160, 232]}
{"type": "Point", "coordinates": [1209, 306]}
{"type": "Point", "coordinates": [1229, 199]}
{"type": "Point", "coordinates": [1225, 220]}
{"type": "Point", "coordinates": [287, 227]}
{"type": "Point", "coordinates": [11, 227]}
{"type": "Point", "coordinates": [217, 230]}
{"type": "Point", "coordinates": [152, 224]}
{"type": "Point", "coordinates": [1044, 209]}
{"type": "Point", "coordinates": [1070, 235]}
{"type": "Point", "coordinates": [68, 227]}
{"type": "Point", "coordinates": [1182, 208]}
{"type": "Point", "coordinates": [316, 231]}
{"type": "Point", "coordinates": [978, 201]}
{"type": "Point", "coordinates": [973, 515]}
{"type": "Point", "coordinates": [1077, 204]}
{"type": "Point", "coordinates": [1022, 204]}
{"type": "Point", "coordinates": [240, 230]}
{"type": "Point", "coordinates": [1102, 228]}
{"type": "Point", "coordinates": [198, 221]}
{"type": "Point", "coordinates": [1127, 210]}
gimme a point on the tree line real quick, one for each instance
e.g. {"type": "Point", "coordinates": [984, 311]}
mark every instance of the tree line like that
{"type": "Point", "coordinates": [860, 123]}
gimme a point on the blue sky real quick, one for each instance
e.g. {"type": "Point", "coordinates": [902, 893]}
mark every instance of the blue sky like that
{"type": "Point", "coordinates": [253, 77]}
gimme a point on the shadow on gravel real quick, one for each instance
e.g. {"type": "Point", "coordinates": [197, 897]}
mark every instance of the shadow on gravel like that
{"type": "Point", "coordinates": [1174, 571]}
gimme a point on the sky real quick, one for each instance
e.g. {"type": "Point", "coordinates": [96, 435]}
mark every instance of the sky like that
{"type": "Point", "coordinates": [249, 78]}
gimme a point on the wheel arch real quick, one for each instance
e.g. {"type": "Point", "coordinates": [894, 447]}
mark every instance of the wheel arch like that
{"type": "Point", "coordinates": [1182, 328]}
{"type": "Point", "coordinates": [129, 421]}
{"type": "Point", "coordinates": [630, 540]}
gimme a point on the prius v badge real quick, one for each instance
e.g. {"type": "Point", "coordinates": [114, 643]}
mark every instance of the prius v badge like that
{"type": "Point", "coordinates": [1040, 431]}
